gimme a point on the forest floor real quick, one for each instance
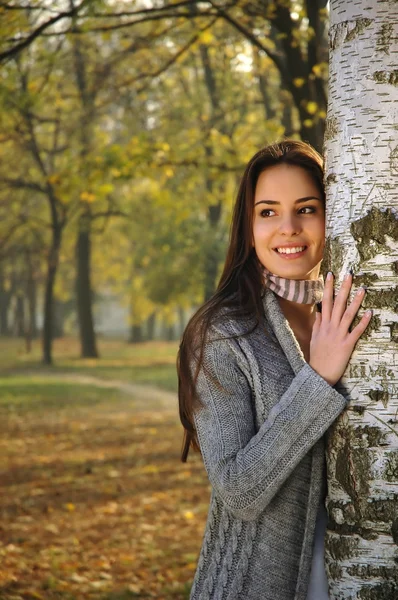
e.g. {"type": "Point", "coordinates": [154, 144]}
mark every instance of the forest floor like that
{"type": "Point", "coordinates": [94, 502]}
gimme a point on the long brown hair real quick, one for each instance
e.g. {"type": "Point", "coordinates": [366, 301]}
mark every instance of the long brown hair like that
{"type": "Point", "coordinates": [240, 285]}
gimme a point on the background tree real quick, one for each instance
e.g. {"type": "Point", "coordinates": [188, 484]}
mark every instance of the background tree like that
{"type": "Point", "coordinates": [361, 149]}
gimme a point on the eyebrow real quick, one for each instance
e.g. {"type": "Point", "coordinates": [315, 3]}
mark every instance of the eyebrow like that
{"type": "Point", "coordinates": [299, 201]}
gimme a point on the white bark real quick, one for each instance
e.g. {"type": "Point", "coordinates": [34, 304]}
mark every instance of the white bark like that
{"type": "Point", "coordinates": [361, 147]}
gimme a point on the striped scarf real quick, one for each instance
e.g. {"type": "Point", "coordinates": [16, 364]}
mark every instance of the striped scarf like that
{"type": "Point", "coordinates": [305, 291]}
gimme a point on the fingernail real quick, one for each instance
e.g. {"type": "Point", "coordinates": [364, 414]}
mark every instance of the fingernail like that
{"type": "Point", "coordinates": [369, 313]}
{"type": "Point", "coordinates": [361, 290]}
{"type": "Point", "coordinates": [329, 276]}
{"type": "Point", "coordinates": [347, 275]}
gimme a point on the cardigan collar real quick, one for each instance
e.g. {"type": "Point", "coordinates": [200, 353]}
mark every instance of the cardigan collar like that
{"type": "Point", "coordinates": [283, 331]}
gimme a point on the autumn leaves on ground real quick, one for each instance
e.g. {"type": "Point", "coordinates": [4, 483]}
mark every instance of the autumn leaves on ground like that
{"type": "Point", "coordinates": [94, 501]}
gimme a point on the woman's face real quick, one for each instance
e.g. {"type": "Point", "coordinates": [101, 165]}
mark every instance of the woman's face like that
{"type": "Point", "coordinates": [289, 222]}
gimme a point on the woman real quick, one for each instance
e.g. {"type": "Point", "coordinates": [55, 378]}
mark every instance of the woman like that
{"type": "Point", "coordinates": [257, 366]}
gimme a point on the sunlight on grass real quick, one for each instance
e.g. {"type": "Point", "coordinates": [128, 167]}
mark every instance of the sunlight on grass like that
{"type": "Point", "coordinates": [33, 393]}
{"type": "Point", "coordinates": [150, 363]}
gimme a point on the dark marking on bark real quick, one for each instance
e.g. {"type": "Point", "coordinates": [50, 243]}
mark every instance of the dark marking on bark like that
{"type": "Point", "coordinates": [360, 26]}
{"type": "Point", "coordinates": [390, 472]}
{"type": "Point", "coordinates": [394, 267]}
{"type": "Point", "coordinates": [333, 255]}
{"type": "Point", "coordinates": [384, 511]}
{"type": "Point", "coordinates": [389, 77]}
{"type": "Point", "coordinates": [382, 299]}
{"type": "Point", "coordinates": [394, 332]}
{"type": "Point", "coordinates": [331, 178]}
{"type": "Point", "coordinates": [375, 436]}
{"type": "Point", "coordinates": [357, 408]}
{"type": "Point", "coordinates": [384, 38]}
{"type": "Point", "coordinates": [335, 571]}
{"type": "Point", "coordinates": [374, 325]}
{"type": "Point", "coordinates": [381, 591]}
{"type": "Point", "coordinates": [373, 572]}
{"type": "Point", "coordinates": [352, 470]}
{"type": "Point", "coordinates": [379, 396]}
{"type": "Point", "coordinates": [374, 227]}
{"type": "Point", "coordinates": [394, 160]}
{"type": "Point", "coordinates": [346, 31]}
{"type": "Point", "coordinates": [394, 531]}
{"type": "Point", "coordinates": [331, 130]}
{"type": "Point", "coordinates": [341, 547]}
{"type": "Point", "coordinates": [366, 279]}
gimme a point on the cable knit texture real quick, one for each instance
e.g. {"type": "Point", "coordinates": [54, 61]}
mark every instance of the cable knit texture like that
{"type": "Point", "coordinates": [260, 425]}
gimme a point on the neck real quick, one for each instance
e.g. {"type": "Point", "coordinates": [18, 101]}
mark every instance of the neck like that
{"type": "Point", "coordinates": [301, 317]}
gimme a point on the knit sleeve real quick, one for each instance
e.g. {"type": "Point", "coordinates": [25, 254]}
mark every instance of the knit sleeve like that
{"type": "Point", "coordinates": [247, 467]}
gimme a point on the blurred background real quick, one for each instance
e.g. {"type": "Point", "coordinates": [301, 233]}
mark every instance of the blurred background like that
{"type": "Point", "coordinates": [125, 127]}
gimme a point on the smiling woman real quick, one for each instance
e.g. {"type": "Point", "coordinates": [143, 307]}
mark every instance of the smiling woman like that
{"type": "Point", "coordinates": [257, 368]}
{"type": "Point", "coordinates": [289, 222]}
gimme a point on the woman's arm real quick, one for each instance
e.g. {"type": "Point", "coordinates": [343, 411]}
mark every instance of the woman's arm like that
{"type": "Point", "coordinates": [245, 467]}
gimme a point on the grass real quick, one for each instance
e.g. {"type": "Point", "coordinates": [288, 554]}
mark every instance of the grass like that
{"type": "Point", "coordinates": [94, 502]}
{"type": "Point", "coordinates": [149, 363]}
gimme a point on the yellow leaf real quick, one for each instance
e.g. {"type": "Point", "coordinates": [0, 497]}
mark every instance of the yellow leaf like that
{"type": "Point", "coordinates": [106, 188]}
{"type": "Point", "coordinates": [54, 179]}
{"type": "Point", "coordinates": [87, 197]}
{"type": "Point", "coordinates": [206, 37]}
{"type": "Point", "coordinates": [307, 122]}
{"type": "Point", "coordinates": [188, 514]}
{"type": "Point", "coordinates": [298, 82]}
{"type": "Point", "coordinates": [70, 506]}
{"type": "Point", "coordinates": [311, 108]}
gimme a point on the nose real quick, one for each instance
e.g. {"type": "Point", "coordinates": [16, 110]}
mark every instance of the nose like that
{"type": "Point", "coordinates": [289, 225]}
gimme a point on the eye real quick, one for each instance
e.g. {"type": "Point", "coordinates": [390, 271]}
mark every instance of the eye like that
{"type": "Point", "coordinates": [266, 212]}
{"type": "Point", "coordinates": [307, 210]}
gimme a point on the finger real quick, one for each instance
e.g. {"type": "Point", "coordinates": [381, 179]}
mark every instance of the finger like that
{"type": "Point", "coordinates": [340, 303]}
{"type": "Point", "coordinates": [353, 308]}
{"type": "Point", "coordinates": [360, 328]}
{"type": "Point", "coordinates": [327, 300]}
{"type": "Point", "coordinates": [317, 323]}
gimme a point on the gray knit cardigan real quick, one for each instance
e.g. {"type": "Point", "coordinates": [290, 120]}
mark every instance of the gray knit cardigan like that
{"type": "Point", "coordinates": [260, 425]}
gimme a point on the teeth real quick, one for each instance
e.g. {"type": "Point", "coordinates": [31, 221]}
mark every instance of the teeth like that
{"type": "Point", "coordinates": [290, 250]}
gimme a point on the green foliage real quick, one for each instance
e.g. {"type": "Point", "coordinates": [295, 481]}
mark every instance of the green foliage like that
{"type": "Point", "coordinates": [144, 122]}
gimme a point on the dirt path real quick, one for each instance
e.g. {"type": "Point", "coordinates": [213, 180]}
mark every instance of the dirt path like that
{"type": "Point", "coordinates": [145, 393]}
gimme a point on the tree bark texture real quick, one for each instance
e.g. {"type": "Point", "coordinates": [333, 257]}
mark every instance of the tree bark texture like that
{"type": "Point", "coordinates": [361, 146]}
{"type": "Point", "coordinates": [84, 293]}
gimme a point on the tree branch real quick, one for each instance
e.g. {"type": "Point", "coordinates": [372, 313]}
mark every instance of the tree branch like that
{"type": "Point", "coordinates": [18, 47]}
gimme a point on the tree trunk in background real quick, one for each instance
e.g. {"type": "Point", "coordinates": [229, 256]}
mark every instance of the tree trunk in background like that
{"type": "Point", "coordinates": [170, 335]}
{"type": "Point", "coordinates": [212, 247]}
{"type": "Point", "coordinates": [83, 291]}
{"type": "Point", "coordinates": [52, 266]}
{"type": "Point", "coordinates": [361, 143]}
{"type": "Point", "coordinates": [298, 67]}
{"type": "Point", "coordinates": [31, 294]}
{"type": "Point", "coordinates": [151, 326]}
{"type": "Point", "coordinates": [136, 335]}
{"type": "Point", "coordinates": [84, 295]}
{"type": "Point", "coordinates": [19, 316]}
{"type": "Point", "coordinates": [5, 299]}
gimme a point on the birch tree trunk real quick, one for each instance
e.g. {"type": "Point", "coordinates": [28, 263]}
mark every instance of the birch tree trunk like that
{"type": "Point", "coordinates": [361, 146]}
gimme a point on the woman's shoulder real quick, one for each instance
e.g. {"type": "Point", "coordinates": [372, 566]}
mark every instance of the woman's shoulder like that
{"type": "Point", "coordinates": [232, 320]}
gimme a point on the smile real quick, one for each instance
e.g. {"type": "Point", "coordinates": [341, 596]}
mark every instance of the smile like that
{"type": "Point", "coordinates": [290, 251]}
